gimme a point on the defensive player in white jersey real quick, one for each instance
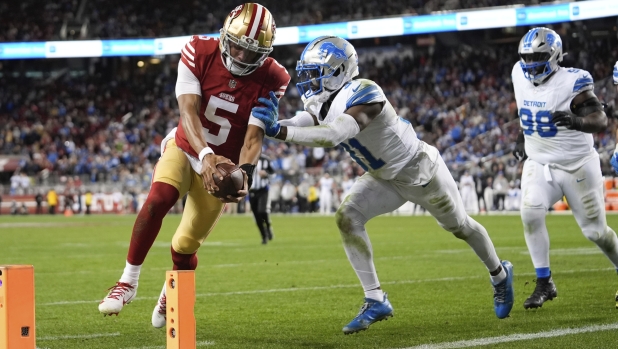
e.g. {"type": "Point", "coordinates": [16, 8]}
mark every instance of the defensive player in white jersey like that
{"type": "Point", "coordinates": [558, 113]}
{"type": "Point", "coordinates": [357, 115]}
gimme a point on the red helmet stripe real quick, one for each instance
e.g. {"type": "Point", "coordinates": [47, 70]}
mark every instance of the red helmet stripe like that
{"type": "Point", "coordinates": [259, 24]}
{"type": "Point", "coordinates": [253, 30]}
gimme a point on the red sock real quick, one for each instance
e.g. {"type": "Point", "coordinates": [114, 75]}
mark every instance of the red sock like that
{"type": "Point", "coordinates": [160, 200]}
{"type": "Point", "coordinates": [184, 261]}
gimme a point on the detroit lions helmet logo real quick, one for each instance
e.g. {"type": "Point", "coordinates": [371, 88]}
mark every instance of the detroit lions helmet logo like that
{"type": "Point", "coordinates": [328, 48]}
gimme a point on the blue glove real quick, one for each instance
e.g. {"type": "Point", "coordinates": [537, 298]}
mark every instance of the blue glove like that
{"type": "Point", "coordinates": [614, 162]}
{"type": "Point", "coordinates": [269, 114]}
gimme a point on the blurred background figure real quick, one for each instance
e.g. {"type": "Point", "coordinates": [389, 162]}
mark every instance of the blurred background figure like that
{"type": "Point", "coordinates": [288, 197]}
{"type": "Point", "coordinates": [468, 193]}
{"type": "Point", "coordinates": [326, 194]}
{"type": "Point", "coordinates": [501, 186]}
{"type": "Point", "coordinates": [513, 197]}
{"type": "Point", "coordinates": [52, 201]}
{"type": "Point", "coordinates": [258, 197]}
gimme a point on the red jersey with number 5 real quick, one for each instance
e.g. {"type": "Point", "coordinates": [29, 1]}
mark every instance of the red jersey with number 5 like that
{"type": "Point", "coordinates": [227, 100]}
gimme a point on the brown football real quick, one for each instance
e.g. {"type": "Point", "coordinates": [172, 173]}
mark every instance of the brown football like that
{"type": "Point", "coordinates": [233, 180]}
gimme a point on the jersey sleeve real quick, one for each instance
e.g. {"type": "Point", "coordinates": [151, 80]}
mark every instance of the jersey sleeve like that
{"type": "Point", "coordinates": [365, 92]}
{"type": "Point", "coordinates": [189, 53]}
{"type": "Point", "coordinates": [616, 73]}
{"type": "Point", "coordinates": [187, 82]}
{"type": "Point", "coordinates": [583, 82]}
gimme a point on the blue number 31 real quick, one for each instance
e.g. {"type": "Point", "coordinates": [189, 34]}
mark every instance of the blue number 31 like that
{"type": "Point", "coordinates": [372, 162]}
{"type": "Point", "coordinates": [539, 122]}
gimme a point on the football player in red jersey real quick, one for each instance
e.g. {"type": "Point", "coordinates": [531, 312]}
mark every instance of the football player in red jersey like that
{"type": "Point", "coordinates": [219, 82]}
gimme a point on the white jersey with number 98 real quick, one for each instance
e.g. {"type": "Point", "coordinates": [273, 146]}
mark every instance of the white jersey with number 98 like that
{"type": "Point", "coordinates": [547, 143]}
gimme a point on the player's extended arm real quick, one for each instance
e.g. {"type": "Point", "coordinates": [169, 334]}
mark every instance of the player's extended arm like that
{"type": "Point", "coordinates": [189, 105]}
{"type": "Point", "coordinates": [344, 126]}
{"type": "Point", "coordinates": [587, 114]}
{"type": "Point", "coordinates": [302, 119]}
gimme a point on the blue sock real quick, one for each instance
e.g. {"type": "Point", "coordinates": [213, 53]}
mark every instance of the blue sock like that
{"type": "Point", "coordinates": [542, 272]}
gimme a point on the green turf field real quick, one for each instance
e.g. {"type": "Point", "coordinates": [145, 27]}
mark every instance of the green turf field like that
{"type": "Point", "coordinates": [299, 291]}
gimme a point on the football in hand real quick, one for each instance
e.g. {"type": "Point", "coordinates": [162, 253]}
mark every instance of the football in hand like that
{"type": "Point", "coordinates": [233, 180]}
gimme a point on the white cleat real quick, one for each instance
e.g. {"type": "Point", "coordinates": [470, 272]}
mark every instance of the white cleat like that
{"type": "Point", "coordinates": [158, 314]}
{"type": "Point", "coordinates": [120, 294]}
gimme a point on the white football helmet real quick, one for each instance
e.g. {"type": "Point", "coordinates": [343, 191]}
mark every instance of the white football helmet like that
{"type": "Point", "coordinates": [326, 64]}
{"type": "Point", "coordinates": [540, 51]}
{"type": "Point", "coordinates": [249, 27]}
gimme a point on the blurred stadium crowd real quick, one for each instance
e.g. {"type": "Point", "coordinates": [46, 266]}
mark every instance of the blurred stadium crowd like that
{"type": "Point", "coordinates": [40, 20]}
{"type": "Point", "coordinates": [99, 121]}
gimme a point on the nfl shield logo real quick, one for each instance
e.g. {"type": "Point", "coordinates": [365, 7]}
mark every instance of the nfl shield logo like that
{"type": "Point", "coordinates": [232, 84]}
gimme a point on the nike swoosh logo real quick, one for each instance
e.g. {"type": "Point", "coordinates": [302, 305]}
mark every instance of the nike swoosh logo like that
{"type": "Point", "coordinates": [356, 89]}
{"type": "Point", "coordinates": [580, 179]}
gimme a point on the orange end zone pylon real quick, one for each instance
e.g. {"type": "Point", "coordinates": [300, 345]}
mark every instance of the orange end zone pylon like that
{"type": "Point", "coordinates": [180, 296]}
{"type": "Point", "coordinates": [17, 307]}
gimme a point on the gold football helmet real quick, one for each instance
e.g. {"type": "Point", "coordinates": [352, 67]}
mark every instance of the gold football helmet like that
{"type": "Point", "coordinates": [249, 30]}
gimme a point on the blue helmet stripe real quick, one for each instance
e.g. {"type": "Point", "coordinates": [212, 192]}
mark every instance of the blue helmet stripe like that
{"type": "Point", "coordinates": [530, 37]}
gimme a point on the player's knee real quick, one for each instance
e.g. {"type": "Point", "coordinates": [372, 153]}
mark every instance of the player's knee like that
{"type": "Point", "coordinates": [185, 244]}
{"type": "Point", "coordinates": [161, 198]}
{"type": "Point", "coordinates": [595, 232]}
{"type": "Point", "coordinates": [347, 217]}
{"type": "Point", "coordinates": [532, 218]}
{"type": "Point", "coordinates": [463, 229]}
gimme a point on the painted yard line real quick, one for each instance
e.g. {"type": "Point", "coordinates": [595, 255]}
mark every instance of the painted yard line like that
{"type": "Point", "coordinates": [516, 337]}
{"type": "Point", "coordinates": [199, 344]}
{"type": "Point", "coordinates": [317, 288]}
{"type": "Point", "coordinates": [78, 336]}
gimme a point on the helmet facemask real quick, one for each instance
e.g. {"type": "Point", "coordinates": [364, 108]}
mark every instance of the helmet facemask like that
{"type": "Point", "coordinates": [535, 65]}
{"type": "Point", "coordinates": [318, 79]}
{"type": "Point", "coordinates": [326, 64]}
{"type": "Point", "coordinates": [253, 54]}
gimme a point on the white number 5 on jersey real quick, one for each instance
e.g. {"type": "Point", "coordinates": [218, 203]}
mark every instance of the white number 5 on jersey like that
{"type": "Point", "coordinates": [213, 104]}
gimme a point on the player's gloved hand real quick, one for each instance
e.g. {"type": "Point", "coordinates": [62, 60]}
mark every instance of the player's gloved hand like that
{"type": "Point", "coordinates": [269, 114]}
{"type": "Point", "coordinates": [567, 120]}
{"type": "Point", "coordinates": [520, 148]}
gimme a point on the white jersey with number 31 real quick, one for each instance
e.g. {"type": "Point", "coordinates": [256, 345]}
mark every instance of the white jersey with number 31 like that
{"type": "Point", "coordinates": [388, 143]}
{"type": "Point", "coordinates": [545, 142]}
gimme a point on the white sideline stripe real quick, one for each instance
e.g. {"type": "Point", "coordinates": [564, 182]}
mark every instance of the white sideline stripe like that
{"type": "Point", "coordinates": [199, 344]}
{"type": "Point", "coordinates": [317, 288]}
{"type": "Point", "coordinates": [516, 337]}
{"type": "Point", "coordinates": [78, 336]}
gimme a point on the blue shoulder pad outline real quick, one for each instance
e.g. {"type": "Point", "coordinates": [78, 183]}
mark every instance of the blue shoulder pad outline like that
{"type": "Point", "coordinates": [365, 94]}
{"type": "Point", "coordinates": [583, 81]}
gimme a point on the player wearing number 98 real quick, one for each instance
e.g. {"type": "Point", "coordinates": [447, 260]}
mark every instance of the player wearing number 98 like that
{"type": "Point", "coordinates": [219, 82]}
{"type": "Point", "coordinates": [357, 115]}
{"type": "Point", "coordinates": [558, 113]}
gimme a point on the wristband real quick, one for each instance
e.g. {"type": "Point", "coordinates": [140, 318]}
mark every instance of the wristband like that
{"type": "Point", "coordinates": [204, 152]}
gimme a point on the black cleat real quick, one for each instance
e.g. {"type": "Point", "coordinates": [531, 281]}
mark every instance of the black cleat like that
{"type": "Point", "coordinates": [545, 290]}
{"type": "Point", "coordinates": [616, 299]}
